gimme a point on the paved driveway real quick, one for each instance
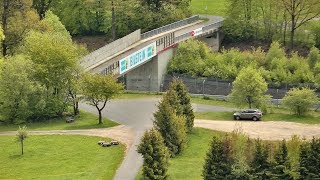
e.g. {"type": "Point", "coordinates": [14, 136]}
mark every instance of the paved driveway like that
{"type": "Point", "coordinates": [138, 115]}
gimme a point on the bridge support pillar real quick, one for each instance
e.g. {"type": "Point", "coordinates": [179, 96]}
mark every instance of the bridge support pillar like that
{"type": "Point", "coordinates": [213, 40]}
{"type": "Point", "coordinates": [148, 77]}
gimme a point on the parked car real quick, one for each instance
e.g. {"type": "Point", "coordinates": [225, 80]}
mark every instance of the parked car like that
{"type": "Point", "coordinates": [254, 114]}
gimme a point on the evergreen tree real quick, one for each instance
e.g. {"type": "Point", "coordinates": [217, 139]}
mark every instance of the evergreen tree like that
{"type": "Point", "coordinates": [281, 166]}
{"type": "Point", "coordinates": [218, 161]}
{"type": "Point", "coordinates": [260, 167]}
{"type": "Point", "coordinates": [310, 160]}
{"type": "Point", "coordinates": [184, 101]}
{"type": "Point", "coordinates": [155, 155]}
{"type": "Point", "coordinates": [171, 127]}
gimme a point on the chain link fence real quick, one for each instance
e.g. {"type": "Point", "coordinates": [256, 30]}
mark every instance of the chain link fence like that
{"type": "Point", "coordinates": [214, 86]}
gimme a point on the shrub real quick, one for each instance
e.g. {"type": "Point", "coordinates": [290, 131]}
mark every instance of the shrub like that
{"type": "Point", "coordinates": [299, 101]}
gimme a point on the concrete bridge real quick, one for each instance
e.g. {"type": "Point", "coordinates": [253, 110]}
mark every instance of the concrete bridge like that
{"type": "Point", "coordinates": [141, 60]}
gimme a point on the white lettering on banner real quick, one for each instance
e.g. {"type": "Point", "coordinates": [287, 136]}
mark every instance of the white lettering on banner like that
{"type": "Point", "coordinates": [137, 58]}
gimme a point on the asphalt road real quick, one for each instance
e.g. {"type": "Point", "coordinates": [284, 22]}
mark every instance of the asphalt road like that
{"type": "Point", "coordinates": [137, 114]}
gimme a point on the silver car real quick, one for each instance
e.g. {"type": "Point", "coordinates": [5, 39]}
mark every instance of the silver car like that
{"type": "Point", "coordinates": [254, 114]}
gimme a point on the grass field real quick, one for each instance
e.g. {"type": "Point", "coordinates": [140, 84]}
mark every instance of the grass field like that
{"type": "Point", "coordinates": [83, 121]}
{"type": "Point", "coordinates": [214, 7]}
{"type": "Point", "coordinates": [59, 157]}
{"type": "Point", "coordinates": [278, 115]}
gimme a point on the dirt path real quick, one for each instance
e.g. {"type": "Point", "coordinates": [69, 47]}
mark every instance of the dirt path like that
{"type": "Point", "coordinates": [120, 133]}
{"type": "Point", "coordinates": [264, 130]}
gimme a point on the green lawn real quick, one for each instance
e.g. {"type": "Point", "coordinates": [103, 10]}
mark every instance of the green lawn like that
{"type": "Point", "coordinates": [84, 120]}
{"type": "Point", "coordinates": [214, 7]}
{"type": "Point", "coordinates": [59, 157]}
{"type": "Point", "coordinates": [212, 102]}
{"type": "Point", "coordinates": [188, 165]}
{"type": "Point", "coordinates": [278, 115]}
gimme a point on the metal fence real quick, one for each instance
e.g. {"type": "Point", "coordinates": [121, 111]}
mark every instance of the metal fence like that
{"type": "Point", "coordinates": [213, 86]}
{"type": "Point", "coordinates": [170, 26]}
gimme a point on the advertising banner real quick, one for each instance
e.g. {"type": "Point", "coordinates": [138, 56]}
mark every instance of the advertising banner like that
{"type": "Point", "coordinates": [137, 58]}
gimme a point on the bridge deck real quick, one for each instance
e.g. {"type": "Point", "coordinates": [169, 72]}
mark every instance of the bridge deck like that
{"type": "Point", "coordinates": [144, 42]}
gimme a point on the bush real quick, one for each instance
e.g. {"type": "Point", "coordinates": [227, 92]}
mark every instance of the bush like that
{"type": "Point", "coordinates": [299, 101]}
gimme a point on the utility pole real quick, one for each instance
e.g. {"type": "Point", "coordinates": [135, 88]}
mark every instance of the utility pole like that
{"type": "Point", "coordinates": [113, 21]}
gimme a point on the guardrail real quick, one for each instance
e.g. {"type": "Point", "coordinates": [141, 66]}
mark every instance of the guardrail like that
{"type": "Point", "coordinates": [205, 29]}
{"type": "Point", "coordinates": [170, 26]}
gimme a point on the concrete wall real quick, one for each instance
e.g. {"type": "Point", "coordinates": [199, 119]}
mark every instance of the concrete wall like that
{"type": "Point", "coordinates": [110, 49]}
{"type": "Point", "coordinates": [148, 77]}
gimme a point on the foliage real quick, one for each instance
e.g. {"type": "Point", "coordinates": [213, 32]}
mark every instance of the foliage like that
{"type": "Point", "coordinates": [218, 160]}
{"type": "Point", "coordinates": [281, 168]}
{"type": "Point", "coordinates": [20, 95]}
{"type": "Point", "coordinates": [190, 58]}
{"type": "Point", "coordinates": [155, 155]}
{"type": "Point", "coordinates": [269, 20]}
{"type": "Point", "coordinates": [21, 136]}
{"type": "Point", "coordinates": [98, 89]}
{"type": "Point", "coordinates": [171, 127]}
{"type": "Point", "coordinates": [299, 101]}
{"type": "Point", "coordinates": [60, 157]}
{"type": "Point", "coordinates": [249, 88]}
{"type": "Point", "coordinates": [184, 103]}
{"type": "Point", "coordinates": [310, 160]}
{"type": "Point", "coordinates": [260, 166]}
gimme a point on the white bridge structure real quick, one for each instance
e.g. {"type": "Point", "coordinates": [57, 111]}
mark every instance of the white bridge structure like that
{"type": "Point", "coordinates": [140, 60]}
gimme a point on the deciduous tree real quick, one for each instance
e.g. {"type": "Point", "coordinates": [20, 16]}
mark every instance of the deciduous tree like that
{"type": "Point", "coordinates": [21, 136]}
{"type": "Point", "coordinates": [98, 90]}
{"type": "Point", "coordinates": [249, 88]}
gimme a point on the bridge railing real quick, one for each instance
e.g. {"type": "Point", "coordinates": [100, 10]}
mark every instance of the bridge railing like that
{"type": "Point", "coordinates": [205, 29]}
{"type": "Point", "coordinates": [170, 26]}
{"type": "Point", "coordinates": [110, 49]}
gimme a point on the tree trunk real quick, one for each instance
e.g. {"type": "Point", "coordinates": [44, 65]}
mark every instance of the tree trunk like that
{"type": "Point", "coordinates": [100, 117]}
{"type": "Point", "coordinates": [113, 21]}
{"type": "Point", "coordinates": [5, 25]}
{"type": "Point", "coordinates": [76, 108]}
{"type": "Point", "coordinates": [21, 147]}
{"type": "Point", "coordinates": [292, 32]}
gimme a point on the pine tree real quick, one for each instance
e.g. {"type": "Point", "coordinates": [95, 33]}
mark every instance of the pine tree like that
{"type": "Point", "coordinates": [260, 167]}
{"type": "Point", "coordinates": [310, 160]}
{"type": "Point", "coordinates": [171, 127]}
{"type": "Point", "coordinates": [184, 100]}
{"type": "Point", "coordinates": [281, 168]}
{"type": "Point", "coordinates": [155, 155]}
{"type": "Point", "coordinates": [218, 161]}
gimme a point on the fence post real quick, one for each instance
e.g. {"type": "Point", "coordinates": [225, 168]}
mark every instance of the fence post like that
{"type": "Point", "coordinates": [203, 86]}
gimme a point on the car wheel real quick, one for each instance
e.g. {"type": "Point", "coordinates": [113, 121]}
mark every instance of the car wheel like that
{"type": "Point", "coordinates": [255, 118]}
{"type": "Point", "coordinates": [237, 117]}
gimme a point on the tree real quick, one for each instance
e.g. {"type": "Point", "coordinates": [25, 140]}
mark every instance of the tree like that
{"type": "Point", "coordinates": [310, 159]}
{"type": "Point", "coordinates": [299, 101]}
{"type": "Point", "coordinates": [42, 6]}
{"type": "Point", "coordinates": [260, 167]}
{"type": "Point", "coordinates": [184, 102]}
{"type": "Point", "coordinates": [249, 88]}
{"type": "Point", "coordinates": [21, 136]}
{"type": "Point", "coordinates": [155, 155]}
{"type": "Point", "coordinates": [300, 12]}
{"type": "Point", "coordinates": [313, 57]}
{"type": "Point", "coordinates": [218, 160]}
{"type": "Point", "coordinates": [171, 127]}
{"type": "Point", "coordinates": [240, 167]}
{"type": "Point", "coordinates": [281, 167]}
{"type": "Point", "coordinates": [18, 90]}
{"type": "Point", "coordinates": [17, 19]}
{"type": "Point", "coordinates": [98, 90]}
